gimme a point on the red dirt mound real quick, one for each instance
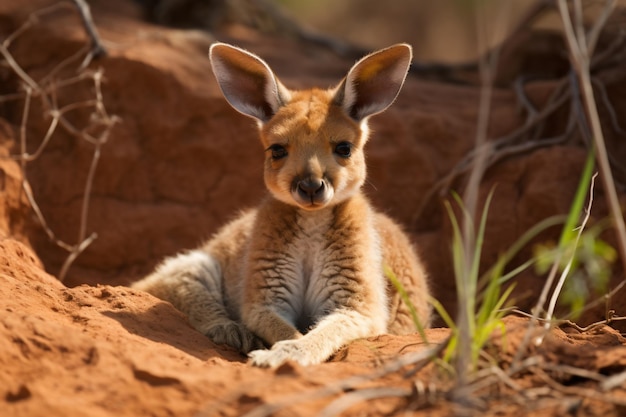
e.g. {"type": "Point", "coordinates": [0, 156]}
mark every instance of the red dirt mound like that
{"type": "Point", "coordinates": [112, 351]}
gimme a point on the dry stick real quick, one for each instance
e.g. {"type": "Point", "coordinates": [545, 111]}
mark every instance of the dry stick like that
{"type": "Point", "coordinates": [578, 391]}
{"type": "Point", "coordinates": [557, 98]}
{"type": "Point", "coordinates": [594, 33]}
{"type": "Point", "coordinates": [74, 250]}
{"type": "Point", "coordinates": [569, 323]}
{"type": "Point", "coordinates": [501, 145]}
{"type": "Point", "coordinates": [50, 87]}
{"type": "Point", "coordinates": [614, 381]}
{"type": "Point", "coordinates": [533, 144]}
{"type": "Point", "coordinates": [426, 393]}
{"type": "Point", "coordinates": [500, 374]}
{"type": "Point", "coordinates": [25, 156]}
{"type": "Point", "coordinates": [97, 49]}
{"type": "Point", "coordinates": [604, 97]}
{"type": "Point", "coordinates": [467, 290]}
{"type": "Point", "coordinates": [57, 117]}
{"type": "Point", "coordinates": [17, 69]}
{"type": "Point", "coordinates": [32, 19]}
{"type": "Point", "coordinates": [597, 136]}
{"type": "Point", "coordinates": [565, 273]}
{"type": "Point", "coordinates": [84, 242]}
{"type": "Point", "coordinates": [543, 296]}
{"type": "Point", "coordinates": [537, 362]}
{"type": "Point", "coordinates": [609, 314]}
{"type": "Point", "coordinates": [25, 184]}
{"type": "Point", "coordinates": [572, 370]}
{"type": "Point", "coordinates": [423, 357]}
{"type": "Point", "coordinates": [61, 65]}
{"type": "Point", "coordinates": [34, 88]}
{"type": "Point", "coordinates": [532, 364]}
{"type": "Point", "coordinates": [346, 401]}
{"type": "Point", "coordinates": [579, 56]}
{"type": "Point", "coordinates": [25, 113]}
{"type": "Point", "coordinates": [613, 51]}
{"type": "Point", "coordinates": [495, 377]}
{"type": "Point", "coordinates": [109, 122]}
{"type": "Point", "coordinates": [97, 79]}
{"type": "Point", "coordinates": [616, 165]}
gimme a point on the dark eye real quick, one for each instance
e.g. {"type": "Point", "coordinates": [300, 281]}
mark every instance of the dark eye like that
{"type": "Point", "coordinates": [343, 149]}
{"type": "Point", "coordinates": [278, 151]}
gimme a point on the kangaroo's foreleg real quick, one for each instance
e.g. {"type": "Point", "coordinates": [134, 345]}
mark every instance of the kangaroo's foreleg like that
{"type": "Point", "coordinates": [193, 283]}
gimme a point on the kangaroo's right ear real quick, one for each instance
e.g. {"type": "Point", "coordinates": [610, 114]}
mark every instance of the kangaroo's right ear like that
{"type": "Point", "coordinates": [247, 82]}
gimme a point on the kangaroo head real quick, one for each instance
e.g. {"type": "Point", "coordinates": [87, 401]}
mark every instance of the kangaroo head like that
{"type": "Point", "coordinates": [314, 138]}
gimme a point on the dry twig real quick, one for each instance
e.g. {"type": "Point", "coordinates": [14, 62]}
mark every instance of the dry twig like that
{"type": "Point", "coordinates": [45, 90]}
{"type": "Point", "coordinates": [565, 273]}
{"type": "Point", "coordinates": [580, 56]}
{"type": "Point", "coordinates": [614, 381]}
{"type": "Point", "coordinates": [415, 360]}
{"type": "Point", "coordinates": [466, 285]}
{"type": "Point", "coordinates": [346, 401]}
{"type": "Point", "coordinates": [528, 137]}
{"type": "Point", "coordinates": [611, 317]}
{"type": "Point", "coordinates": [97, 49]}
{"type": "Point", "coordinates": [578, 391]}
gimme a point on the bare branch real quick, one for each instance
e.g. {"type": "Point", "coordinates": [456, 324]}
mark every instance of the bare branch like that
{"type": "Point", "coordinates": [97, 49]}
{"type": "Point", "coordinates": [17, 69]}
{"type": "Point", "coordinates": [594, 33]}
{"type": "Point", "coordinates": [580, 60]}
{"type": "Point", "coordinates": [95, 132]}
{"type": "Point", "coordinates": [346, 401]}
{"type": "Point", "coordinates": [614, 381]}
{"type": "Point", "coordinates": [565, 273]}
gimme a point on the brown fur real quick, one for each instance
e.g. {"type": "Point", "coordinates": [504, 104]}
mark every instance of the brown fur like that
{"type": "Point", "coordinates": [303, 272]}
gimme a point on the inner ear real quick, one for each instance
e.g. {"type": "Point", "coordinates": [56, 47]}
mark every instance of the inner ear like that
{"type": "Point", "coordinates": [247, 82]}
{"type": "Point", "coordinates": [374, 82]}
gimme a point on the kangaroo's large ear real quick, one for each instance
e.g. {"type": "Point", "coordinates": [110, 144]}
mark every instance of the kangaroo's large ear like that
{"type": "Point", "coordinates": [374, 82]}
{"type": "Point", "coordinates": [247, 82]}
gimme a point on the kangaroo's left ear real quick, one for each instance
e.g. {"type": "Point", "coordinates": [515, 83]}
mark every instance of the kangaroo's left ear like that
{"type": "Point", "coordinates": [374, 82]}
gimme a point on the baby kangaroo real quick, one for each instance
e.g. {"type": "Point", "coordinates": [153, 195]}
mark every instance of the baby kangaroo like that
{"type": "Point", "coordinates": [303, 273]}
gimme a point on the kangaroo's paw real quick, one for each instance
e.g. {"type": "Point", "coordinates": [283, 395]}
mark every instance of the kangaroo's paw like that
{"type": "Point", "coordinates": [235, 335]}
{"type": "Point", "coordinates": [281, 352]}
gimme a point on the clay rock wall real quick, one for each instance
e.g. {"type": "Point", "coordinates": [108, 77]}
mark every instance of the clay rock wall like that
{"type": "Point", "coordinates": [180, 162]}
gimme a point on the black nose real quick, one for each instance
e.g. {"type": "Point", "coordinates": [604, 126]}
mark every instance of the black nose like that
{"type": "Point", "coordinates": [311, 188]}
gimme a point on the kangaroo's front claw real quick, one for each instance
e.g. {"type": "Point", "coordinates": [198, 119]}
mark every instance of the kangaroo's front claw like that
{"type": "Point", "coordinates": [281, 352]}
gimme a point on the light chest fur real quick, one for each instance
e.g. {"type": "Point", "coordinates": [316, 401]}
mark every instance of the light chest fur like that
{"type": "Point", "coordinates": [308, 264]}
{"type": "Point", "coordinates": [310, 252]}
